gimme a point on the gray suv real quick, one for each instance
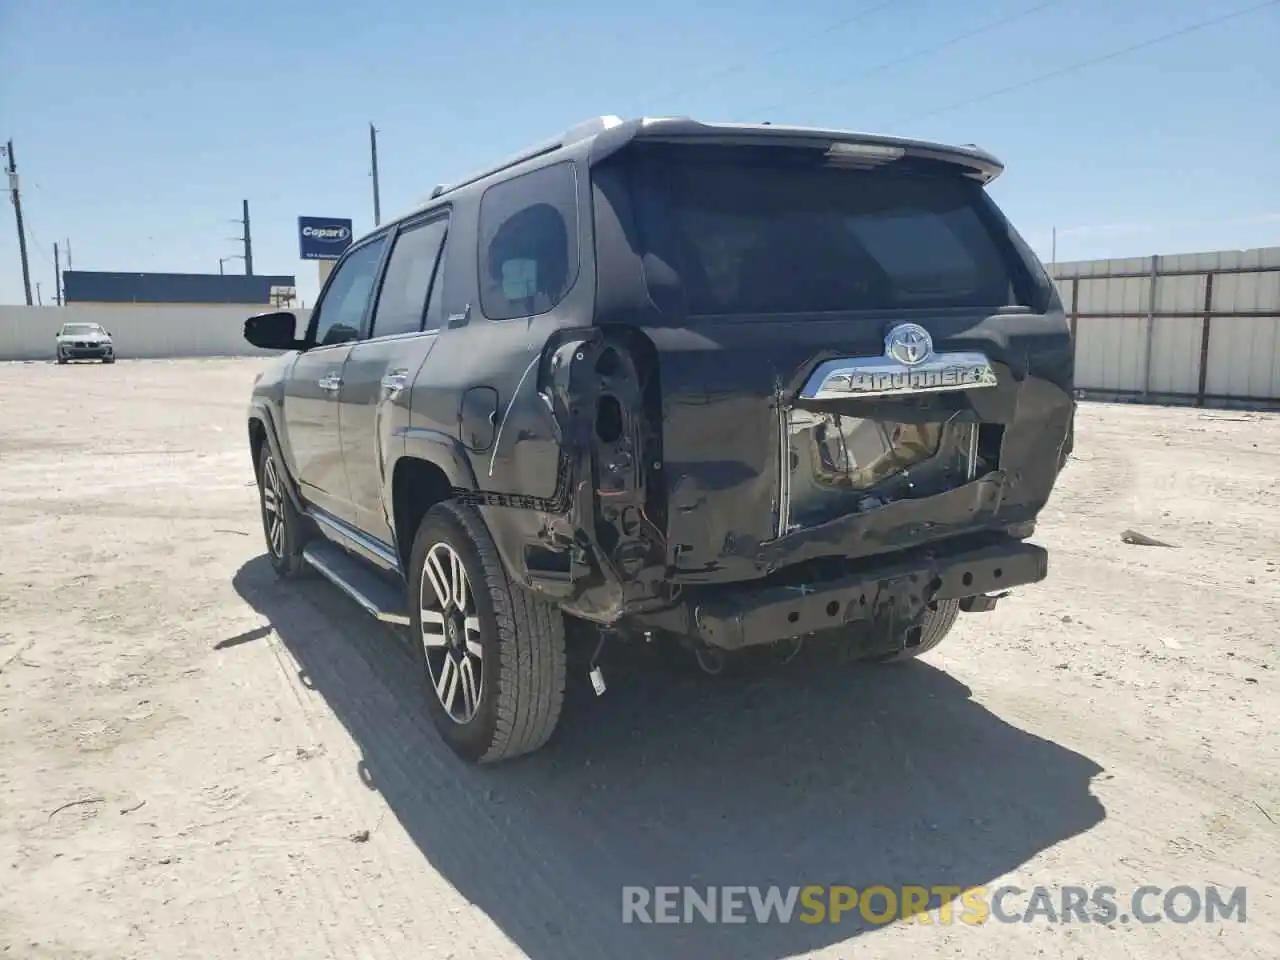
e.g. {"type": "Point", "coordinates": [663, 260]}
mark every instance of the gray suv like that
{"type": "Point", "coordinates": [719, 385]}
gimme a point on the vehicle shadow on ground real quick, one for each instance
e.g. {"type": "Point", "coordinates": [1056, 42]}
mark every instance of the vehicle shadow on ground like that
{"type": "Point", "coordinates": [804, 774]}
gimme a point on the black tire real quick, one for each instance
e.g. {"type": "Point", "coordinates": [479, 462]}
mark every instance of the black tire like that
{"type": "Point", "coordinates": [937, 624]}
{"type": "Point", "coordinates": [286, 551]}
{"type": "Point", "coordinates": [108, 359]}
{"type": "Point", "coordinates": [61, 359]}
{"type": "Point", "coordinates": [520, 640]}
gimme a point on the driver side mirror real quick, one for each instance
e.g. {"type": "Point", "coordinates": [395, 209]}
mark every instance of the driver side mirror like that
{"type": "Point", "coordinates": [273, 331]}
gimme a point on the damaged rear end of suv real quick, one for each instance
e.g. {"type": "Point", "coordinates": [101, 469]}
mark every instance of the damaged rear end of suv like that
{"type": "Point", "coordinates": [830, 390]}
{"type": "Point", "coordinates": [720, 385]}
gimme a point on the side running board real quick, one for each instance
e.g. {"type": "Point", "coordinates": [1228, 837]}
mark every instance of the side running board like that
{"type": "Point", "coordinates": [379, 597]}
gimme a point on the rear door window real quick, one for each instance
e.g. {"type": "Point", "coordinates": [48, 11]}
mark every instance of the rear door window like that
{"type": "Point", "coordinates": [778, 231]}
{"type": "Point", "coordinates": [402, 300]}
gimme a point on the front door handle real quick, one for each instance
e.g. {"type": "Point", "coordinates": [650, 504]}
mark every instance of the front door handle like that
{"type": "Point", "coordinates": [330, 382]}
{"type": "Point", "coordinates": [394, 382]}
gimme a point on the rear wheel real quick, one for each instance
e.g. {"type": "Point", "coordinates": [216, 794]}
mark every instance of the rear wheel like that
{"type": "Point", "coordinates": [937, 623]}
{"type": "Point", "coordinates": [491, 655]}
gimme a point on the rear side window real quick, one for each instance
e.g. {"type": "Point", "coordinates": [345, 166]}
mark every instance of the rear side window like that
{"type": "Point", "coordinates": [403, 298]}
{"type": "Point", "coordinates": [528, 243]}
{"type": "Point", "coordinates": [778, 231]}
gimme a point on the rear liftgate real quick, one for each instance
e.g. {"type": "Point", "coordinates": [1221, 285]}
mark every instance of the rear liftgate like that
{"type": "Point", "coordinates": [834, 462]}
{"type": "Point", "coordinates": [840, 457]}
{"type": "Point", "coordinates": [861, 435]}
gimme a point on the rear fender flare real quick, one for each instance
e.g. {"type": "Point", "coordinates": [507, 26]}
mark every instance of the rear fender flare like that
{"type": "Point", "coordinates": [511, 527]}
{"type": "Point", "coordinates": [441, 450]}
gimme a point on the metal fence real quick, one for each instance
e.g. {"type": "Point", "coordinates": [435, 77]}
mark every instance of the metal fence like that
{"type": "Point", "coordinates": [1201, 328]}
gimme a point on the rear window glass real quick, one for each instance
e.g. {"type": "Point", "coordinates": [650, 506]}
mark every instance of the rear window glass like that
{"type": "Point", "coordinates": [766, 232]}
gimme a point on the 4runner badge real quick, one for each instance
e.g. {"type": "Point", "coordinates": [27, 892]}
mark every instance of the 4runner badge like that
{"type": "Point", "coordinates": [909, 365]}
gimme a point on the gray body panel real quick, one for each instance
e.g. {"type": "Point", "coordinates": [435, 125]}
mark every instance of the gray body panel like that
{"type": "Point", "coordinates": [310, 418]}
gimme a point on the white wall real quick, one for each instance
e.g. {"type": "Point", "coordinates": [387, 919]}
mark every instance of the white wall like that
{"type": "Point", "coordinates": [139, 330]}
{"type": "Point", "coordinates": [1144, 352]}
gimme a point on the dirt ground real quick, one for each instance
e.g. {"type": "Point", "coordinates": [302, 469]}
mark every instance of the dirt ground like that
{"type": "Point", "coordinates": [198, 761]}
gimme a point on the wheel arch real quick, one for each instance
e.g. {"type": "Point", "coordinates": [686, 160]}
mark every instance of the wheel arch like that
{"type": "Point", "coordinates": [263, 436]}
{"type": "Point", "coordinates": [431, 468]}
{"type": "Point", "coordinates": [417, 485]}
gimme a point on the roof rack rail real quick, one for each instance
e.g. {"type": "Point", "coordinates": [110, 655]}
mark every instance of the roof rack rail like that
{"type": "Point", "coordinates": [588, 128]}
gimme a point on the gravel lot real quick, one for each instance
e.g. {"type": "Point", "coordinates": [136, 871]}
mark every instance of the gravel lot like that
{"type": "Point", "coordinates": [196, 761]}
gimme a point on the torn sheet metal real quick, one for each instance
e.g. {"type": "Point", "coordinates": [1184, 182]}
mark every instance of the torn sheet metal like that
{"type": "Point", "coordinates": [737, 495]}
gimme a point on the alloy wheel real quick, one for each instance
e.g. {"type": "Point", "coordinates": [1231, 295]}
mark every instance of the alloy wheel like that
{"type": "Point", "coordinates": [272, 508]}
{"type": "Point", "coordinates": [451, 633]}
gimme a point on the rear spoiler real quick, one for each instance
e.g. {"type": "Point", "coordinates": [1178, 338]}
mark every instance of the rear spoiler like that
{"type": "Point", "coordinates": [843, 146]}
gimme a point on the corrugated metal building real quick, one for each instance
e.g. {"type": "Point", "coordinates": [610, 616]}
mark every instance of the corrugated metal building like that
{"type": "Point", "coordinates": [97, 287]}
{"type": "Point", "coordinates": [1203, 327]}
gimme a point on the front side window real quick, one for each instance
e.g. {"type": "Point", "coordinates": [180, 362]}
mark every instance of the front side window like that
{"type": "Point", "coordinates": [341, 310]}
{"type": "Point", "coordinates": [528, 243]}
{"type": "Point", "coordinates": [407, 281]}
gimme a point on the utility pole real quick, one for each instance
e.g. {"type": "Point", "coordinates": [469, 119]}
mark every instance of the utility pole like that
{"type": "Point", "coordinates": [57, 275]}
{"type": "Point", "coordinates": [39, 299]}
{"type": "Point", "coordinates": [248, 242]}
{"type": "Point", "coordinates": [12, 169]}
{"type": "Point", "coordinates": [373, 156]}
{"type": "Point", "coordinates": [68, 253]}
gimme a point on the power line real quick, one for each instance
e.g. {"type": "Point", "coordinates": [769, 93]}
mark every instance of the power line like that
{"type": "Point", "coordinates": [1092, 61]}
{"type": "Point", "coordinates": [39, 246]}
{"type": "Point", "coordinates": [906, 58]}
{"type": "Point", "coordinates": [785, 48]}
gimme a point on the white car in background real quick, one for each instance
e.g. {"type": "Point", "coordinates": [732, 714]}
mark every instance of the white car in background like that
{"type": "Point", "coordinates": [85, 341]}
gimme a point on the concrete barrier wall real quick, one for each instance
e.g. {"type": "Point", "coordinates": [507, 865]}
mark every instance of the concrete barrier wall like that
{"type": "Point", "coordinates": [139, 331]}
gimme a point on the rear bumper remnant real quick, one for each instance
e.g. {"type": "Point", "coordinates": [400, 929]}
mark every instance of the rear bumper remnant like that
{"type": "Point", "coordinates": [743, 615]}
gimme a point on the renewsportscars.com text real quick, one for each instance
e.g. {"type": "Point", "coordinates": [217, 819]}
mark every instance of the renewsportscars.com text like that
{"type": "Point", "coordinates": [933, 904]}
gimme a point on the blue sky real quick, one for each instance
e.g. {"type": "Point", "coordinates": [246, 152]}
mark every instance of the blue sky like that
{"type": "Point", "coordinates": [139, 125]}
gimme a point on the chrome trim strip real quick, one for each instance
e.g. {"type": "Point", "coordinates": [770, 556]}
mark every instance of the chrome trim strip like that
{"type": "Point", "coordinates": [855, 377]}
{"type": "Point", "coordinates": [373, 550]}
{"type": "Point", "coordinates": [371, 608]}
{"type": "Point", "coordinates": [784, 469]}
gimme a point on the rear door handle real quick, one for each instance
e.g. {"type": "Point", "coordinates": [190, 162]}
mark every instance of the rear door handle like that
{"type": "Point", "coordinates": [394, 381]}
{"type": "Point", "coordinates": [459, 319]}
{"type": "Point", "coordinates": [330, 382]}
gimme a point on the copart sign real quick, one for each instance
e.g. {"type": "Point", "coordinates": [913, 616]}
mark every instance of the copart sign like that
{"type": "Point", "coordinates": [323, 238]}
